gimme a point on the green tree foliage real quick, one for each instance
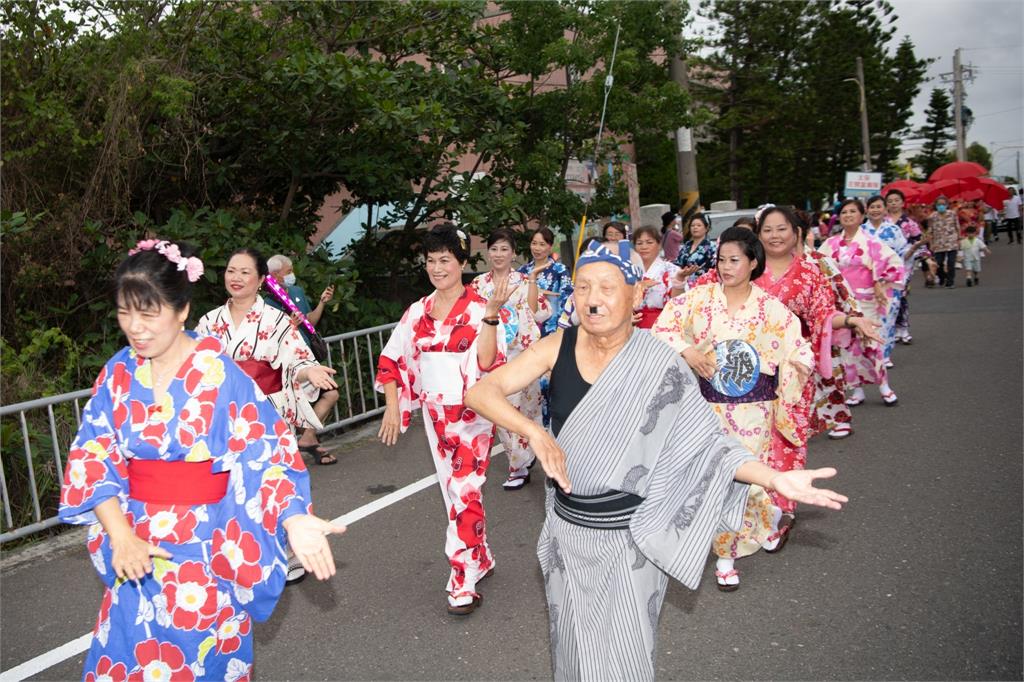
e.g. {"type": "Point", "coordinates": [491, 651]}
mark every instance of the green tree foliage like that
{"type": "Point", "coordinates": [788, 125]}
{"type": "Point", "coordinates": [936, 132]}
{"type": "Point", "coordinates": [232, 123]}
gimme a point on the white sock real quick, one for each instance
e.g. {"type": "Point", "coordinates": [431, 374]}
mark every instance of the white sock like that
{"type": "Point", "coordinates": [724, 566]}
{"type": "Point", "coordinates": [857, 394]}
{"type": "Point", "coordinates": [884, 388]}
{"type": "Point", "coordinates": [776, 517]}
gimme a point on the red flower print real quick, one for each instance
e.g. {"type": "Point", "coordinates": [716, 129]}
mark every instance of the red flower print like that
{"type": "Point", "coordinates": [160, 661]}
{"type": "Point", "coordinates": [99, 380]}
{"type": "Point", "coordinates": [236, 555]}
{"type": "Point", "coordinates": [147, 420]}
{"type": "Point", "coordinates": [252, 316]}
{"type": "Point", "coordinates": [205, 367]}
{"type": "Point", "coordinates": [106, 669]}
{"type": "Point", "coordinates": [163, 523]}
{"type": "Point", "coordinates": [464, 462]}
{"type": "Point", "coordinates": [470, 524]}
{"type": "Point", "coordinates": [196, 416]}
{"type": "Point", "coordinates": [245, 426]}
{"type": "Point", "coordinates": [263, 335]}
{"type": "Point", "coordinates": [287, 452]}
{"type": "Point", "coordinates": [231, 628]}
{"type": "Point", "coordinates": [461, 338]}
{"type": "Point", "coordinates": [191, 595]}
{"type": "Point", "coordinates": [84, 470]}
{"type": "Point", "coordinates": [244, 351]}
{"type": "Point", "coordinates": [119, 386]}
{"type": "Point", "coordinates": [275, 494]}
{"type": "Point", "coordinates": [108, 598]}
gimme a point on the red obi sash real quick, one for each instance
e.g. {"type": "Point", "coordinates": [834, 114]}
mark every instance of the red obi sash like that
{"type": "Point", "coordinates": [265, 376]}
{"type": "Point", "coordinates": [159, 482]}
{"type": "Point", "coordinates": [648, 316]}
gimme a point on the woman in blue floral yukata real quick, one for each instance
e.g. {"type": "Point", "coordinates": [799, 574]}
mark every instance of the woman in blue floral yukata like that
{"type": "Point", "coordinates": [191, 484]}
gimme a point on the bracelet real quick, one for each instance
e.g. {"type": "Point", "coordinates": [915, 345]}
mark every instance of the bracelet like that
{"type": "Point", "coordinates": [493, 321]}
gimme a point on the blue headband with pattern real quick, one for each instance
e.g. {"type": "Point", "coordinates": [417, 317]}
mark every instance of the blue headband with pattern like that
{"type": "Point", "coordinates": [599, 253]}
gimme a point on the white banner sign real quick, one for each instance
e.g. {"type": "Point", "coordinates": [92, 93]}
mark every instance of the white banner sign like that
{"type": "Point", "coordinates": [861, 184]}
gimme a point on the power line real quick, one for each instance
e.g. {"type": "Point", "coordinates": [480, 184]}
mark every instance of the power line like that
{"type": "Point", "coordinates": [1004, 111]}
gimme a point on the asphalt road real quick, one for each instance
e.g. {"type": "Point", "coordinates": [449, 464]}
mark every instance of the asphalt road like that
{"type": "Point", "coordinates": [919, 577]}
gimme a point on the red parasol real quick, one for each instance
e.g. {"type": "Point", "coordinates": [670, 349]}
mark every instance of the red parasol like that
{"type": "Point", "coordinates": [971, 195]}
{"type": "Point", "coordinates": [910, 189]}
{"type": "Point", "coordinates": [951, 188]}
{"type": "Point", "coordinates": [995, 193]}
{"type": "Point", "coordinates": [957, 170]}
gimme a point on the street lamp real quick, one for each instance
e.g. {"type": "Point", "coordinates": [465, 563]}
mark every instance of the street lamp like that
{"type": "Point", "coordinates": [859, 80]}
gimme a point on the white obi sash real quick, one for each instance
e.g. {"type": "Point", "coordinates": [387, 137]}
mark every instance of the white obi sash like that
{"type": "Point", "coordinates": [441, 378]}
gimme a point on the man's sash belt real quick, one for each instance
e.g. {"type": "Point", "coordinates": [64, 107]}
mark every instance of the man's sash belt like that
{"type": "Point", "coordinates": [156, 481]}
{"type": "Point", "coordinates": [608, 511]}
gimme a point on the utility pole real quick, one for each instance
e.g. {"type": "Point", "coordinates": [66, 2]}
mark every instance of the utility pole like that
{"type": "Point", "coordinates": [686, 155]}
{"type": "Point", "coordinates": [865, 140]}
{"type": "Point", "coordinates": [960, 73]}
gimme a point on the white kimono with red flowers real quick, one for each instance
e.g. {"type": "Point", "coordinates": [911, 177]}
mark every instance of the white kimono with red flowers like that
{"type": "Point", "coordinates": [433, 362]}
{"type": "Point", "coordinates": [190, 618]}
{"type": "Point", "coordinates": [268, 335]}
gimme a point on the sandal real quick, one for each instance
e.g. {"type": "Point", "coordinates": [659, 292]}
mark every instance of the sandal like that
{"type": "Point", "coordinates": [464, 609]}
{"type": "Point", "coordinates": [841, 431]}
{"type": "Point", "coordinates": [296, 573]}
{"type": "Point", "coordinates": [786, 524]}
{"type": "Point", "coordinates": [516, 481]}
{"type": "Point", "coordinates": [722, 577]}
{"type": "Point", "coordinates": [889, 398]}
{"type": "Point", "coordinates": [319, 455]}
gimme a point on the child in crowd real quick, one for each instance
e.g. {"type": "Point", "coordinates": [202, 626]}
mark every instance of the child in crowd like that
{"type": "Point", "coordinates": [972, 247]}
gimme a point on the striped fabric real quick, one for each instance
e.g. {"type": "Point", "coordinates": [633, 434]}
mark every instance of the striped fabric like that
{"type": "Point", "coordinates": [644, 429]}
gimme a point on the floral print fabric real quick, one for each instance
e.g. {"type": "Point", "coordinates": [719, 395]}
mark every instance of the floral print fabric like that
{"type": "Point", "coordinates": [266, 334]}
{"type": "Point", "coordinates": [460, 440]}
{"type": "Point", "coordinates": [700, 319]}
{"type": "Point", "coordinates": [192, 616]}
{"type": "Point", "coordinates": [557, 279]}
{"type": "Point", "coordinates": [529, 401]}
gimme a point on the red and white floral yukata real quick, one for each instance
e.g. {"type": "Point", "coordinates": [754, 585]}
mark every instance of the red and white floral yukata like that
{"type": "Point", "coordinates": [523, 330]}
{"type": "Point", "coordinates": [432, 363]}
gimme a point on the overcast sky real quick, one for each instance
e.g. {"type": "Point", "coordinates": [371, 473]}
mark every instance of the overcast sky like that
{"type": "Point", "coordinates": [991, 35]}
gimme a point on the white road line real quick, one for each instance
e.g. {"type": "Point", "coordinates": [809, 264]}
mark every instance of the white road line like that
{"type": "Point", "coordinates": [76, 646]}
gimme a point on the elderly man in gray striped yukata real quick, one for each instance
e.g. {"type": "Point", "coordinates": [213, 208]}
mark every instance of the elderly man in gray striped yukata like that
{"type": "Point", "coordinates": [642, 476]}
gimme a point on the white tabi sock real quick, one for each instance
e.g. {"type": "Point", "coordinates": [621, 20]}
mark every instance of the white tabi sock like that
{"type": "Point", "coordinates": [724, 566]}
{"type": "Point", "coordinates": [776, 517]}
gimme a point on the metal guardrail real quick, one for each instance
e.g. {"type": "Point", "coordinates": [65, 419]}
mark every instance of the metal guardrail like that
{"type": "Point", "coordinates": [352, 354]}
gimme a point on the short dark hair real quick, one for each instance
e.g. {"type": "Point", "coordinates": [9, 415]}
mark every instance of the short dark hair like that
{"type": "Point", "coordinates": [261, 262]}
{"type": "Point", "coordinates": [852, 200]}
{"type": "Point", "coordinates": [696, 216]}
{"type": "Point", "coordinates": [745, 220]}
{"type": "Point", "coordinates": [750, 244]}
{"type": "Point", "coordinates": [621, 227]}
{"type": "Point", "coordinates": [147, 280]}
{"type": "Point", "coordinates": [666, 219]}
{"type": "Point", "coordinates": [502, 234]}
{"type": "Point", "coordinates": [971, 229]}
{"type": "Point", "coordinates": [897, 192]}
{"type": "Point", "coordinates": [873, 198]}
{"type": "Point", "coordinates": [649, 230]}
{"type": "Point", "coordinates": [546, 234]}
{"type": "Point", "coordinates": [445, 237]}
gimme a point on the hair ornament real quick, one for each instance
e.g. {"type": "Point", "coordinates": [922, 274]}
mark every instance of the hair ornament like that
{"type": "Point", "coordinates": [192, 266]}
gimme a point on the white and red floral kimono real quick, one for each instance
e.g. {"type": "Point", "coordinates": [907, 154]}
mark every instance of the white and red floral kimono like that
{"type": "Point", "coordinates": [207, 472]}
{"type": "Point", "coordinates": [658, 282]}
{"type": "Point", "coordinates": [271, 351]}
{"type": "Point", "coordinates": [432, 363]}
{"type": "Point", "coordinates": [523, 330]}
{"type": "Point", "coordinates": [865, 260]}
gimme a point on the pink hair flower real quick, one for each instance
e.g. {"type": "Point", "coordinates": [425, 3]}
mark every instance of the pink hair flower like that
{"type": "Point", "coordinates": [144, 245]}
{"type": "Point", "coordinates": [193, 268]}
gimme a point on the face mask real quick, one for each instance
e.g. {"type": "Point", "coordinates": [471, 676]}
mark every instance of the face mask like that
{"type": "Point", "coordinates": [941, 208]}
{"type": "Point", "coordinates": [289, 279]}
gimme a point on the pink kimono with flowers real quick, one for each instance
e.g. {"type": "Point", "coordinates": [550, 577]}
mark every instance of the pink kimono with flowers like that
{"type": "Point", "coordinates": [191, 618]}
{"type": "Point", "coordinates": [523, 327]}
{"type": "Point", "coordinates": [433, 362]}
{"type": "Point", "coordinates": [865, 260]}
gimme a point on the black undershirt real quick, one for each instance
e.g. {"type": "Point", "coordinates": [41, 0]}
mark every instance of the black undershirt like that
{"type": "Point", "coordinates": [566, 387]}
